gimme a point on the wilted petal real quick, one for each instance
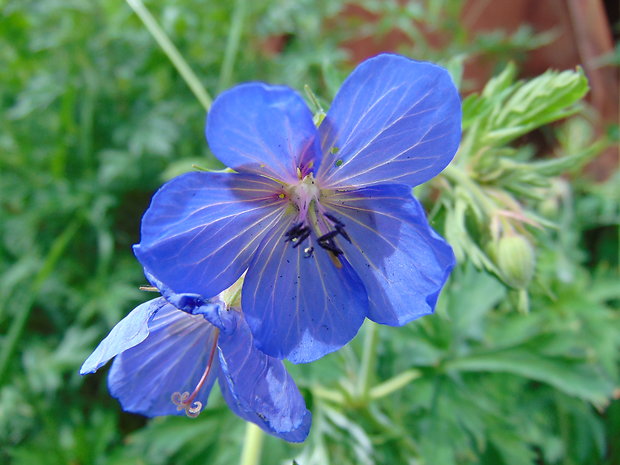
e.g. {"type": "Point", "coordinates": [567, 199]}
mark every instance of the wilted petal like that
{"type": "Point", "coordinates": [259, 389]}
{"type": "Point", "coordinates": [171, 359]}
{"type": "Point", "coordinates": [263, 129]}
{"type": "Point", "coordinates": [393, 120]}
{"type": "Point", "coordinates": [299, 307]}
{"type": "Point", "coordinates": [130, 331]}
{"type": "Point", "coordinates": [401, 260]}
{"type": "Point", "coordinates": [214, 310]}
{"type": "Point", "coordinates": [201, 229]}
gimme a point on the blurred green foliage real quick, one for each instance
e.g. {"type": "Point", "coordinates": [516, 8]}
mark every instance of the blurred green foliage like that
{"type": "Point", "coordinates": [95, 118]}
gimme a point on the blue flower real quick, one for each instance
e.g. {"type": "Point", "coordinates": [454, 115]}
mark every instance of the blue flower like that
{"type": "Point", "coordinates": [322, 220]}
{"type": "Point", "coordinates": [167, 361]}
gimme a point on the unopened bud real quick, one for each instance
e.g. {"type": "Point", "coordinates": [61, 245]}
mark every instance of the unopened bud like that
{"type": "Point", "coordinates": [515, 260]}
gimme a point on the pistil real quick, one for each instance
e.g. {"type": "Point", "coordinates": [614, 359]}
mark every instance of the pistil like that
{"type": "Point", "coordinates": [185, 401]}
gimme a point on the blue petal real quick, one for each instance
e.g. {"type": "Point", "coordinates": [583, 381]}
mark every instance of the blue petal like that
{"type": "Point", "coordinates": [259, 389]}
{"type": "Point", "coordinates": [130, 331]}
{"type": "Point", "coordinates": [268, 130]}
{"type": "Point", "coordinates": [394, 120]}
{"type": "Point", "coordinates": [401, 260]}
{"type": "Point", "coordinates": [171, 359]}
{"type": "Point", "coordinates": [301, 308]}
{"type": "Point", "coordinates": [201, 229]}
{"type": "Point", "coordinates": [214, 310]}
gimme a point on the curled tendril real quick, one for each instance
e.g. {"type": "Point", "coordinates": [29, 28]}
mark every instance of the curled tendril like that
{"type": "Point", "coordinates": [184, 402]}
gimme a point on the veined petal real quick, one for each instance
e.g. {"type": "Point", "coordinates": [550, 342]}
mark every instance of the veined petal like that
{"type": "Point", "coordinates": [130, 331]}
{"type": "Point", "coordinates": [171, 359]}
{"type": "Point", "coordinates": [394, 120]}
{"type": "Point", "coordinates": [299, 307]}
{"type": "Point", "coordinates": [202, 228]}
{"type": "Point", "coordinates": [259, 389]}
{"type": "Point", "coordinates": [268, 130]}
{"type": "Point", "coordinates": [401, 260]}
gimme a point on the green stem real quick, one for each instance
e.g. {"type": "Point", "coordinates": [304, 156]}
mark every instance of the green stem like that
{"type": "Point", "coordinates": [171, 52]}
{"type": "Point", "coordinates": [252, 445]}
{"type": "Point", "coordinates": [232, 45]}
{"type": "Point", "coordinates": [394, 384]}
{"type": "Point", "coordinates": [369, 360]}
{"type": "Point", "coordinates": [328, 394]}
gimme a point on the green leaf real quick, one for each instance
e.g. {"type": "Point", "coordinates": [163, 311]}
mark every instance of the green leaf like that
{"type": "Point", "coordinates": [573, 378]}
{"type": "Point", "coordinates": [472, 295]}
{"type": "Point", "coordinates": [533, 103]}
{"type": "Point", "coordinates": [501, 82]}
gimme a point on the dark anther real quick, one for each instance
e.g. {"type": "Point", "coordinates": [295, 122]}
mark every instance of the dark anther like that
{"type": "Point", "coordinates": [326, 241]}
{"type": "Point", "coordinates": [343, 233]}
{"type": "Point", "coordinates": [297, 234]}
{"type": "Point", "coordinates": [303, 235]}
{"type": "Point", "coordinates": [330, 235]}
{"type": "Point", "coordinates": [308, 252]}
{"type": "Point", "coordinates": [339, 225]}
{"type": "Point", "coordinates": [335, 220]}
{"type": "Point", "coordinates": [294, 231]}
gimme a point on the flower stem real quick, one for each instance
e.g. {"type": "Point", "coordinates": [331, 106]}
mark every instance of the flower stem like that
{"type": "Point", "coordinates": [171, 52]}
{"type": "Point", "coordinates": [252, 445]}
{"type": "Point", "coordinates": [232, 45]}
{"type": "Point", "coordinates": [369, 360]}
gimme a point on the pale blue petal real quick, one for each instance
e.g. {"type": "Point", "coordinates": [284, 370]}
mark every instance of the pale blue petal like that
{"type": "Point", "coordinates": [171, 359]}
{"type": "Point", "coordinates": [130, 331]}
{"type": "Point", "coordinates": [401, 260]}
{"type": "Point", "coordinates": [259, 389]}
{"type": "Point", "coordinates": [301, 308]}
{"type": "Point", "coordinates": [201, 229]}
{"type": "Point", "coordinates": [394, 120]}
{"type": "Point", "coordinates": [262, 129]}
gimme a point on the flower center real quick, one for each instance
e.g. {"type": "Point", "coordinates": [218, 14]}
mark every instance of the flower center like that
{"type": "Point", "coordinates": [185, 401]}
{"type": "Point", "coordinates": [303, 194]}
{"type": "Point", "coordinates": [313, 219]}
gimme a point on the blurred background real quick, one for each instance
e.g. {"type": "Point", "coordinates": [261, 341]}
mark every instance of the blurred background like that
{"type": "Point", "coordinates": [95, 118]}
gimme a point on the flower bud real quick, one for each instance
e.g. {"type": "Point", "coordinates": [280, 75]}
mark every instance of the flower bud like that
{"type": "Point", "coordinates": [515, 260]}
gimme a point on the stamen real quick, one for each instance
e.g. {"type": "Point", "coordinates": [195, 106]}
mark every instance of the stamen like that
{"type": "Point", "coordinates": [343, 233]}
{"type": "Point", "coordinates": [297, 234]}
{"type": "Point", "coordinates": [339, 225]}
{"type": "Point", "coordinates": [334, 220]}
{"type": "Point", "coordinates": [326, 241]}
{"type": "Point", "coordinates": [302, 237]}
{"type": "Point", "coordinates": [185, 401]}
